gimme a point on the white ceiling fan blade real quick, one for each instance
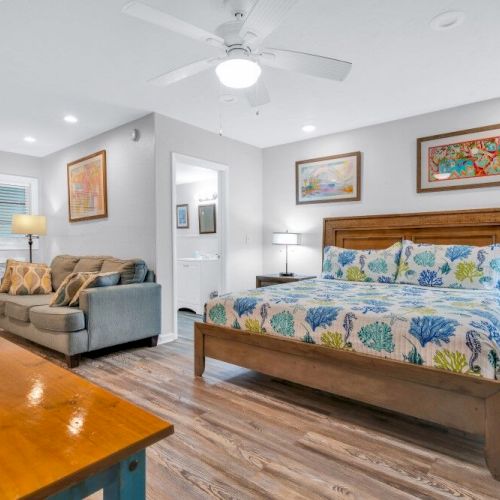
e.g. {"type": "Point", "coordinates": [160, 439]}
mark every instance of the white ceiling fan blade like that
{"type": "Point", "coordinates": [258, 95]}
{"type": "Point", "coordinates": [151, 15]}
{"type": "Point", "coordinates": [264, 18]}
{"type": "Point", "coordinates": [309, 64]}
{"type": "Point", "coordinates": [185, 72]}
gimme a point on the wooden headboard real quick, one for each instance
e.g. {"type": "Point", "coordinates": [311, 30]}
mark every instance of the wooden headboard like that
{"type": "Point", "coordinates": [466, 227]}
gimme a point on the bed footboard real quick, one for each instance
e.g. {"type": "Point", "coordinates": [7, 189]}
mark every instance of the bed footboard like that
{"type": "Point", "coordinates": [453, 400]}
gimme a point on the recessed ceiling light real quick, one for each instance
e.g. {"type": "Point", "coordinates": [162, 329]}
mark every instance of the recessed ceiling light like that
{"type": "Point", "coordinates": [448, 20]}
{"type": "Point", "coordinates": [28, 138]}
{"type": "Point", "coordinates": [308, 128]}
{"type": "Point", "coordinates": [70, 119]}
{"type": "Point", "coordinates": [228, 99]}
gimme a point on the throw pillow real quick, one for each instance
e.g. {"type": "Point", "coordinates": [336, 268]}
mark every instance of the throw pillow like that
{"type": "Point", "coordinates": [362, 265]}
{"type": "Point", "coordinates": [131, 271]}
{"type": "Point", "coordinates": [450, 266]}
{"type": "Point", "coordinates": [97, 281]}
{"type": "Point", "coordinates": [7, 276]}
{"type": "Point", "coordinates": [69, 288]}
{"type": "Point", "coordinates": [30, 279]}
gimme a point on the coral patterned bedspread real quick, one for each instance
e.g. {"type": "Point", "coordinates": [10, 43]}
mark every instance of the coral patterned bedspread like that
{"type": "Point", "coordinates": [456, 330]}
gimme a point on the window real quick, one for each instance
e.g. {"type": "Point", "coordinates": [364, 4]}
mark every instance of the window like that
{"type": "Point", "coordinates": [18, 195]}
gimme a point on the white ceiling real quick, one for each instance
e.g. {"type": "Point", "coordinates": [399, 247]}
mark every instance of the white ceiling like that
{"type": "Point", "coordinates": [84, 57]}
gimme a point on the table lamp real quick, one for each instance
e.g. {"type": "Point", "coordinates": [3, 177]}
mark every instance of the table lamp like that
{"type": "Point", "coordinates": [30, 225]}
{"type": "Point", "coordinates": [286, 239]}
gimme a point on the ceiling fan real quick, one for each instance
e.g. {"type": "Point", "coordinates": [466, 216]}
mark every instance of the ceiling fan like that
{"type": "Point", "coordinates": [239, 41]}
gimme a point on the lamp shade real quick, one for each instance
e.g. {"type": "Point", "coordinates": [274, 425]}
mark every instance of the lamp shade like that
{"type": "Point", "coordinates": [286, 239]}
{"type": "Point", "coordinates": [29, 224]}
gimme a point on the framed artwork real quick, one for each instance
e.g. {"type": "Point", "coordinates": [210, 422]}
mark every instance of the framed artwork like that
{"type": "Point", "coordinates": [182, 216]}
{"type": "Point", "coordinates": [87, 188]}
{"type": "Point", "coordinates": [328, 179]}
{"type": "Point", "coordinates": [206, 218]}
{"type": "Point", "coordinates": [459, 160]}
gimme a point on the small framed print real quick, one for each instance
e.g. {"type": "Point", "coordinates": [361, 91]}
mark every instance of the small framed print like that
{"type": "Point", "coordinates": [328, 179]}
{"type": "Point", "coordinates": [206, 217]}
{"type": "Point", "coordinates": [182, 216]}
{"type": "Point", "coordinates": [459, 160]}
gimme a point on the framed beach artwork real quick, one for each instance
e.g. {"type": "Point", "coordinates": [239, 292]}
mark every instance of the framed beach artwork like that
{"type": "Point", "coordinates": [459, 160]}
{"type": "Point", "coordinates": [182, 216]}
{"type": "Point", "coordinates": [329, 179]}
{"type": "Point", "coordinates": [87, 189]}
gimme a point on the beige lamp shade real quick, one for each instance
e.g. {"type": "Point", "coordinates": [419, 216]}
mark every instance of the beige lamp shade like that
{"type": "Point", "coordinates": [286, 239]}
{"type": "Point", "coordinates": [29, 224]}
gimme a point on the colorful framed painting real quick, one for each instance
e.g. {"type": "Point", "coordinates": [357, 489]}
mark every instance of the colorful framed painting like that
{"type": "Point", "coordinates": [182, 216]}
{"type": "Point", "coordinates": [328, 179]}
{"type": "Point", "coordinates": [87, 188]}
{"type": "Point", "coordinates": [459, 160]}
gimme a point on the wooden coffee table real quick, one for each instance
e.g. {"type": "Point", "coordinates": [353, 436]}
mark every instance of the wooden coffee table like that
{"type": "Point", "coordinates": [63, 437]}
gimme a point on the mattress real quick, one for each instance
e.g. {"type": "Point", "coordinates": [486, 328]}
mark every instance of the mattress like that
{"type": "Point", "coordinates": [449, 329]}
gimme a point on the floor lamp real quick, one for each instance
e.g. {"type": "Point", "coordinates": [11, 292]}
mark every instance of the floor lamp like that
{"type": "Point", "coordinates": [31, 226]}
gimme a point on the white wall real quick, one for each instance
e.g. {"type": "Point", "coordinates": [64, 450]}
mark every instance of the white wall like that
{"type": "Point", "coordinates": [26, 166]}
{"type": "Point", "coordinates": [189, 240]}
{"type": "Point", "coordinates": [129, 230]}
{"type": "Point", "coordinates": [388, 179]}
{"type": "Point", "coordinates": [244, 204]}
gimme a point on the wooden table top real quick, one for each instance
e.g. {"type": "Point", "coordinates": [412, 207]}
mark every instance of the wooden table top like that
{"type": "Point", "coordinates": [57, 429]}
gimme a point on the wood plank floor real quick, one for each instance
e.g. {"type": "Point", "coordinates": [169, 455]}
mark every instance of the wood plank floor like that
{"type": "Point", "coordinates": [239, 434]}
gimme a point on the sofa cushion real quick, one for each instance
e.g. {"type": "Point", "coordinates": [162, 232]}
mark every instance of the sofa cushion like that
{"type": "Point", "coordinates": [57, 319]}
{"type": "Point", "coordinates": [61, 266]}
{"type": "Point", "coordinates": [131, 271]}
{"type": "Point", "coordinates": [88, 265]}
{"type": "Point", "coordinates": [18, 306]}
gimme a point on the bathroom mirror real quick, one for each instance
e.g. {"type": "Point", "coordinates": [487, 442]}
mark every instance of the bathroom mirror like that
{"type": "Point", "coordinates": [206, 217]}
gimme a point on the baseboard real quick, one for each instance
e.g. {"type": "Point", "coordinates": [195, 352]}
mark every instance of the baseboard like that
{"type": "Point", "coordinates": [166, 337]}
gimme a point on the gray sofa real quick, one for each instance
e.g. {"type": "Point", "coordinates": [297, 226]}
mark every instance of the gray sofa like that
{"type": "Point", "coordinates": [106, 316]}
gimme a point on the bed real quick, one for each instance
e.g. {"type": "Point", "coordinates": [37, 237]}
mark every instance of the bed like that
{"type": "Point", "coordinates": [272, 331]}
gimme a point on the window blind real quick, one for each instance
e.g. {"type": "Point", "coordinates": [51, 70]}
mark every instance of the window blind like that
{"type": "Point", "coordinates": [14, 199]}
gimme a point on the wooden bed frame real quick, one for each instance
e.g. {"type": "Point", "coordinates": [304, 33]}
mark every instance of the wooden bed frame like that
{"type": "Point", "coordinates": [453, 400]}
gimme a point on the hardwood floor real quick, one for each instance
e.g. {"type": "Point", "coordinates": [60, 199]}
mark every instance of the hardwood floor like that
{"type": "Point", "coordinates": [239, 434]}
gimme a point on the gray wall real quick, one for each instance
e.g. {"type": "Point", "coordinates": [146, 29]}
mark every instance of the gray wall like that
{"type": "Point", "coordinates": [244, 234]}
{"type": "Point", "coordinates": [388, 179]}
{"type": "Point", "coordinates": [26, 166]}
{"type": "Point", "coordinates": [129, 230]}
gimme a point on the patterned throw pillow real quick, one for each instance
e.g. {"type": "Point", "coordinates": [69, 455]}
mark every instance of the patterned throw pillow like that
{"type": "Point", "coordinates": [450, 266]}
{"type": "Point", "coordinates": [362, 265]}
{"type": "Point", "coordinates": [68, 293]}
{"type": "Point", "coordinates": [97, 281]}
{"type": "Point", "coordinates": [30, 279]}
{"type": "Point", "coordinates": [7, 277]}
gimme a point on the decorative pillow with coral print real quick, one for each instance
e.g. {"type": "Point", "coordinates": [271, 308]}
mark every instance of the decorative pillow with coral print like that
{"type": "Point", "coordinates": [450, 266]}
{"type": "Point", "coordinates": [362, 265]}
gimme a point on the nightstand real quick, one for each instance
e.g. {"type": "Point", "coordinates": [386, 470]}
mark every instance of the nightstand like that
{"type": "Point", "coordinates": [276, 279]}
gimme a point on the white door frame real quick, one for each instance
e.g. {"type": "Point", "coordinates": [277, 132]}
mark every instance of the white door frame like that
{"type": "Point", "coordinates": [222, 218]}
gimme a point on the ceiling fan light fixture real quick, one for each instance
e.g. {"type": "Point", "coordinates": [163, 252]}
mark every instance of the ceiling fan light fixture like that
{"type": "Point", "coordinates": [238, 73]}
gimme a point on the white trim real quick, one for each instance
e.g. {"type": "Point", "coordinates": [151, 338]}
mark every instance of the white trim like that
{"type": "Point", "coordinates": [19, 243]}
{"type": "Point", "coordinates": [164, 338]}
{"type": "Point", "coordinates": [222, 223]}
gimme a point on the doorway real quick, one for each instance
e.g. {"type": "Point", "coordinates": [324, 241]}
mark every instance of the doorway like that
{"type": "Point", "coordinates": [199, 231]}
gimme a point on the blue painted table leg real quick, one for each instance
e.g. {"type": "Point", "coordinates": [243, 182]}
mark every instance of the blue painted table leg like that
{"type": "Point", "coordinates": [123, 481]}
{"type": "Point", "coordinates": [130, 482]}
